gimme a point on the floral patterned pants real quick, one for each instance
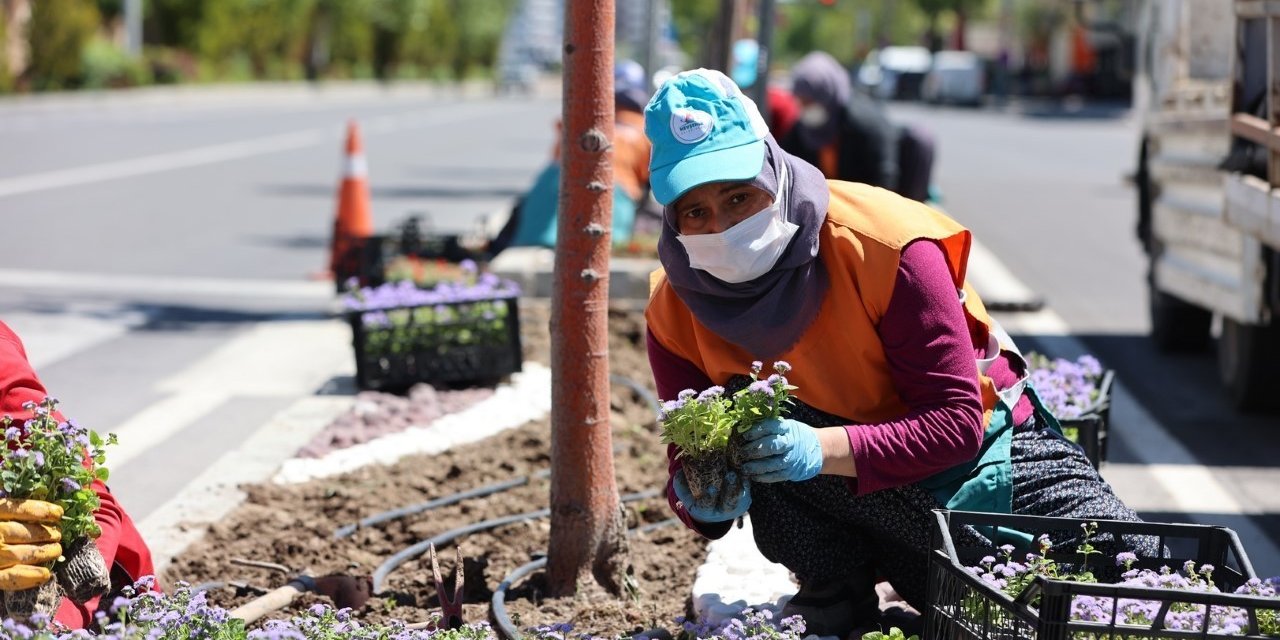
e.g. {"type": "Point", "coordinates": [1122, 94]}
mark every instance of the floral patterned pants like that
{"type": "Point", "coordinates": [823, 533]}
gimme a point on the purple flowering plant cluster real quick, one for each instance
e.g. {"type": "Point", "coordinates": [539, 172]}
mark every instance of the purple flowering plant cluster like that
{"type": "Point", "coordinates": [1012, 577]}
{"type": "Point", "coordinates": [703, 422]}
{"type": "Point", "coordinates": [749, 624]}
{"type": "Point", "coordinates": [142, 613]}
{"type": "Point", "coordinates": [1068, 388]}
{"type": "Point", "coordinates": [401, 318]}
{"type": "Point", "coordinates": [56, 462]}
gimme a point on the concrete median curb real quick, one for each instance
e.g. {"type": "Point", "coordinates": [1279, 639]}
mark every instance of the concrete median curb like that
{"type": "Point", "coordinates": [532, 268]}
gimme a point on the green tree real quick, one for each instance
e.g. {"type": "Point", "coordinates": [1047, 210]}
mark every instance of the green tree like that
{"type": "Point", "coordinates": [270, 36]}
{"type": "Point", "coordinates": [6, 81]}
{"type": "Point", "coordinates": [693, 20]}
{"type": "Point", "coordinates": [57, 33]}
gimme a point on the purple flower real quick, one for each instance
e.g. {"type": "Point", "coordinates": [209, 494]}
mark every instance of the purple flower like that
{"type": "Point", "coordinates": [38, 459]}
{"type": "Point", "coordinates": [711, 393]}
{"type": "Point", "coordinates": [782, 366]}
{"type": "Point", "coordinates": [688, 394]}
{"type": "Point", "coordinates": [20, 454]}
{"type": "Point", "coordinates": [69, 485]}
{"type": "Point", "coordinates": [12, 434]}
{"type": "Point", "coordinates": [761, 387]}
{"type": "Point", "coordinates": [756, 366]}
{"type": "Point", "coordinates": [1126, 558]}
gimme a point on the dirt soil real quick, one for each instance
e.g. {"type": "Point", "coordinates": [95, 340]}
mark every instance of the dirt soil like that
{"type": "Point", "coordinates": [293, 525]}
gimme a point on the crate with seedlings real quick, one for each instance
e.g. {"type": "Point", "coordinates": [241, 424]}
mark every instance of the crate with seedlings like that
{"type": "Point", "coordinates": [464, 330]}
{"type": "Point", "coordinates": [1078, 393]}
{"type": "Point", "coordinates": [410, 251]}
{"type": "Point", "coordinates": [1192, 581]}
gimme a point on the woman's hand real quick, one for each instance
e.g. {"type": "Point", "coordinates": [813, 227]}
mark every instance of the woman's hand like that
{"type": "Point", "coordinates": [779, 449]}
{"type": "Point", "coordinates": [714, 507]}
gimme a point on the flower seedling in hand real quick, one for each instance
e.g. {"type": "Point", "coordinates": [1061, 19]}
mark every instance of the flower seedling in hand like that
{"type": "Point", "coordinates": [761, 399]}
{"type": "Point", "coordinates": [55, 462]}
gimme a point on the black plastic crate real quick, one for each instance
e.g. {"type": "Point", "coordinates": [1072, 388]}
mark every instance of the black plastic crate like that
{"type": "Point", "coordinates": [367, 258]}
{"type": "Point", "coordinates": [962, 606]}
{"type": "Point", "coordinates": [458, 342]}
{"type": "Point", "coordinates": [1091, 428]}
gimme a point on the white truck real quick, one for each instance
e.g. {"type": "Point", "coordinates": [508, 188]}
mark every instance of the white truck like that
{"type": "Point", "coordinates": [1207, 177]}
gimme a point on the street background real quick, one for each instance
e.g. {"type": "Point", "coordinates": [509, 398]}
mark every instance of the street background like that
{"type": "Point", "coordinates": [143, 293]}
{"type": "Point", "coordinates": [163, 242]}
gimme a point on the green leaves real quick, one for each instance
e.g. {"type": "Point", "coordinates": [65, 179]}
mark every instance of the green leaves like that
{"type": "Point", "coordinates": [702, 423]}
{"type": "Point", "coordinates": [56, 462]}
{"type": "Point", "coordinates": [893, 634]}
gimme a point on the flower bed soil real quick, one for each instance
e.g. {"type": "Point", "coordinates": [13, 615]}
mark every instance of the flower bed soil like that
{"type": "Point", "coordinates": [293, 525]}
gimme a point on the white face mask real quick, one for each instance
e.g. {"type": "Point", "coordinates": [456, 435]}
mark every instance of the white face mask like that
{"type": "Point", "coordinates": [814, 115]}
{"type": "Point", "coordinates": [746, 250]}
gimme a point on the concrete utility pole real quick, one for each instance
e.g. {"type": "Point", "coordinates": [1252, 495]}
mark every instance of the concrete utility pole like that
{"type": "Point", "coordinates": [587, 530]}
{"type": "Point", "coordinates": [764, 39]}
{"type": "Point", "coordinates": [721, 42]}
{"type": "Point", "coordinates": [133, 27]}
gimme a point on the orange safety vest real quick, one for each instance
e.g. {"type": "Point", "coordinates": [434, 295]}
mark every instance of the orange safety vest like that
{"type": "Point", "coordinates": [839, 364]}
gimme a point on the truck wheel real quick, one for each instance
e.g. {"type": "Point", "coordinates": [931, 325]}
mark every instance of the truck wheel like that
{"type": "Point", "coordinates": [1176, 326]}
{"type": "Point", "coordinates": [1249, 365]}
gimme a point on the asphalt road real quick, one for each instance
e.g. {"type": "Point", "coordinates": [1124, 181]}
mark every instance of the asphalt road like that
{"type": "Point", "coordinates": [158, 248]}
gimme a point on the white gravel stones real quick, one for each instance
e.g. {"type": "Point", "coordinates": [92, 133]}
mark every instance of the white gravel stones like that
{"type": "Point", "coordinates": [527, 397]}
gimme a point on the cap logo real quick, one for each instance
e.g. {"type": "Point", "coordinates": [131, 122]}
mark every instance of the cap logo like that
{"type": "Point", "coordinates": [691, 126]}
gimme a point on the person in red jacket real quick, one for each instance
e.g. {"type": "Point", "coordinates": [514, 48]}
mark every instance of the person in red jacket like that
{"type": "Point", "coordinates": [125, 553]}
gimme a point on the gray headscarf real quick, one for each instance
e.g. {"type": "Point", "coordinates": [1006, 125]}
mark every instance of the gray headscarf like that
{"type": "Point", "coordinates": [818, 78]}
{"type": "Point", "coordinates": [765, 316]}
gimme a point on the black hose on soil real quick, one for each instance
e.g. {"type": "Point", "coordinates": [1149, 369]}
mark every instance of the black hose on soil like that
{"type": "Point", "coordinates": [639, 390]}
{"type": "Point", "coordinates": [390, 564]}
{"type": "Point", "coordinates": [443, 501]}
{"type": "Point", "coordinates": [498, 603]}
{"type": "Point", "coordinates": [479, 492]}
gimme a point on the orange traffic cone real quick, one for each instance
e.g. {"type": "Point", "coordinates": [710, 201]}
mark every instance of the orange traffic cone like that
{"type": "Point", "coordinates": [353, 223]}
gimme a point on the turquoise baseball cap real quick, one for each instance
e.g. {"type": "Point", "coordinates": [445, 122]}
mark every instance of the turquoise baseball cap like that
{"type": "Point", "coordinates": [703, 129]}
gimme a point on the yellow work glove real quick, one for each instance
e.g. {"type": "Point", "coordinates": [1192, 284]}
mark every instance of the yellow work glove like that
{"type": "Point", "coordinates": [29, 538]}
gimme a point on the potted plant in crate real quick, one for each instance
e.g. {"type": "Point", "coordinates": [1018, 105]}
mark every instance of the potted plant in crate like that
{"type": "Point", "coordinates": [54, 462]}
{"type": "Point", "coordinates": [708, 426]}
{"type": "Point", "coordinates": [1078, 393]}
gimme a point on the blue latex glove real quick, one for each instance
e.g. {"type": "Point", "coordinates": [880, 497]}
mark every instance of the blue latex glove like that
{"type": "Point", "coordinates": [778, 449]}
{"type": "Point", "coordinates": [714, 507]}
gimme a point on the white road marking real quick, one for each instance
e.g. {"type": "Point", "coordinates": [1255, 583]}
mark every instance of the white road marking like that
{"type": "Point", "coordinates": [29, 279]}
{"type": "Point", "coordinates": [285, 359]}
{"type": "Point", "coordinates": [50, 337]}
{"type": "Point", "coordinates": [1222, 485]}
{"type": "Point", "coordinates": [212, 154]}
{"type": "Point", "coordinates": [162, 162]}
{"type": "Point", "coordinates": [993, 281]}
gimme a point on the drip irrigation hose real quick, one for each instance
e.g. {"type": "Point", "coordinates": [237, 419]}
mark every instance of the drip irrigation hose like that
{"type": "Point", "coordinates": [415, 550]}
{"type": "Point", "coordinates": [498, 603]}
{"type": "Point", "coordinates": [639, 390]}
{"type": "Point", "coordinates": [386, 516]}
{"type": "Point", "coordinates": [443, 501]}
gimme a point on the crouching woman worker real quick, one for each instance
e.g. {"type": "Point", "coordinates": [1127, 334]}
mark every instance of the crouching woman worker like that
{"type": "Point", "coordinates": [909, 397]}
{"type": "Point", "coordinates": [30, 531]}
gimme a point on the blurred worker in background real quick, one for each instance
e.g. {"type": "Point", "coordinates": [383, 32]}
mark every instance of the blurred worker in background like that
{"type": "Point", "coordinates": [844, 133]}
{"type": "Point", "coordinates": [533, 219]}
{"type": "Point", "coordinates": [848, 136]}
{"type": "Point", "coordinates": [782, 109]}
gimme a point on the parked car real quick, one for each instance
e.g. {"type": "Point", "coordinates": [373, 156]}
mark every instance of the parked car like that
{"type": "Point", "coordinates": [895, 73]}
{"type": "Point", "coordinates": [956, 77]}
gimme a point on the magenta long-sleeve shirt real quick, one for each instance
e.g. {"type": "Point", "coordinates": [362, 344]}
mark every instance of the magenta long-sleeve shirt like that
{"type": "Point", "coordinates": [932, 357]}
